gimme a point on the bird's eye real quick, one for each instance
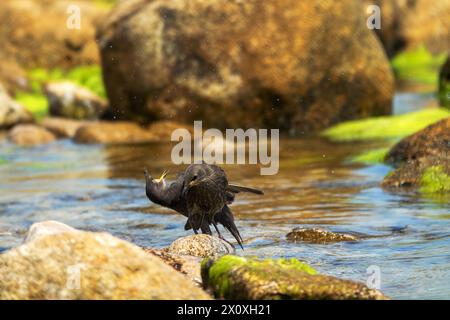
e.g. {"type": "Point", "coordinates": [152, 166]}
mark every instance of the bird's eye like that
{"type": "Point", "coordinates": [194, 178]}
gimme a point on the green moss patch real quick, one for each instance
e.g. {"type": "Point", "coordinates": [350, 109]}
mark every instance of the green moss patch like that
{"type": "Point", "coordinates": [35, 101]}
{"type": "Point", "coordinates": [435, 180]}
{"type": "Point", "coordinates": [418, 65]}
{"type": "Point", "coordinates": [386, 127]}
{"type": "Point", "coordinates": [371, 157]}
{"type": "Point", "coordinates": [232, 277]}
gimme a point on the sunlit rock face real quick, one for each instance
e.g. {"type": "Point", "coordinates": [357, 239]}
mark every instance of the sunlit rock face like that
{"type": "Point", "coordinates": [56, 263]}
{"type": "Point", "coordinates": [298, 66]}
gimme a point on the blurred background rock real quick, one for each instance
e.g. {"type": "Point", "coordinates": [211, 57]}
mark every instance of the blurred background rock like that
{"type": "Point", "coordinates": [299, 66]}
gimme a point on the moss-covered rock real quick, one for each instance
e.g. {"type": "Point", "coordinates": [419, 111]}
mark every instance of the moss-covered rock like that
{"type": "Point", "coordinates": [388, 127]}
{"type": "Point", "coordinates": [435, 179]}
{"type": "Point", "coordinates": [233, 277]}
{"type": "Point", "coordinates": [371, 157]}
{"type": "Point", "coordinates": [319, 236]}
{"type": "Point", "coordinates": [423, 160]}
{"type": "Point", "coordinates": [418, 65]}
{"type": "Point", "coordinates": [433, 141]}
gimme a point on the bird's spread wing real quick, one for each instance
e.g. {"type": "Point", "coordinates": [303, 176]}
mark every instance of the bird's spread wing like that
{"type": "Point", "coordinates": [170, 197]}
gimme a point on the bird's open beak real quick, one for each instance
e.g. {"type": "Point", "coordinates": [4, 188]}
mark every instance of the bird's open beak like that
{"type": "Point", "coordinates": [163, 175]}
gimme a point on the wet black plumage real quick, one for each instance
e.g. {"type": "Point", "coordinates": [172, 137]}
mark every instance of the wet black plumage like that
{"type": "Point", "coordinates": [201, 193]}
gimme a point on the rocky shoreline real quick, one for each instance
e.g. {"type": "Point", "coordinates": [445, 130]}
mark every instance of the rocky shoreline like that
{"type": "Point", "coordinates": [57, 261]}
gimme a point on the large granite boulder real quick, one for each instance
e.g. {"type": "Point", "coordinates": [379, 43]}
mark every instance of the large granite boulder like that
{"type": "Point", "coordinates": [85, 265]}
{"type": "Point", "coordinates": [297, 66]}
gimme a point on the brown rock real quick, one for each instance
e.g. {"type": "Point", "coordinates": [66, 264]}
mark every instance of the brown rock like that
{"type": "Point", "coordinates": [276, 64]}
{"type": "Point", "coordinates": [35, 33]}
{"type": "Point", "coordinates": [85, 265]}
{"type": "Point", "coordinates": [11, 112]}
{"type": "Point", "coordinates": [414, 155]}
{"type": "Point", "coordinates": [66, 99]}
{"type": "Point", "coordinates": [162, 130]}
{"type": "Point", "coordinates": [30, 135]}
{"type": "Point", "coordinates": [320, 236]}
{"type": "Point", "coordinates": [187, 265]}
{"type": "Point", "coordinates": [61, 127]}
{"type": "Point", "coordinates": [408, 24]}
{"type": "Point", "coordinates": [433, 141]}
{"type": "Point", "coordinates": [113, 133]}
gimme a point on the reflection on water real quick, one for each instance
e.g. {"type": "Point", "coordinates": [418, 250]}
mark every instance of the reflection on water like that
{"type": "Point", "coordinates": [102, 188]}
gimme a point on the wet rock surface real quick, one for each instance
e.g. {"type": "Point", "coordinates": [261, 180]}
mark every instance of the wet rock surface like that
{"type": "Point", "coordinates": [423, 160]}
{"type": "Point", "coordinates": [30, 135]}
{"type": "Point", "coordinates": [66, 99]}
{"type": "Point", "coordinates": [256, 68]}
{"type": "Point", "coordinates": [187, 265]}
{"type": "Point", "coordinates": [433, 141]}
{"type": "Point", "coordinates": [200, 245]}
{"type": "Point", "coordinates": [109, 268]}
{"type": "Point", "coordinates": [233, 277]}
{"type": "Point", "coordinates": [11, 112]}
{"type": "Point", "coordinates": [319, 236]}
{"type": "Point", "coordinates": [113, 132]}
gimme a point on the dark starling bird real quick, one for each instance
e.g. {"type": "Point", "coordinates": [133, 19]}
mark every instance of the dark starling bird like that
{"type": "Point", "coordinates": [201, 193]}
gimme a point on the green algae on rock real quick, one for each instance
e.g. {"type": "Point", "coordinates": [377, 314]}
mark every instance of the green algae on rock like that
{"type": "Point", "coordinates": [319, 236]}
{"type": "Point", "coordinates": [371, 157]}
{"type": "Point", "coordinates": [34, 100]}
{"type": "Point", "coordinates": [386, 127]}
{"type": "Point", "coordinates": [233, 277]}
{"type": "Point", "coordinates": [418, 65]}
{"type": "Point", "coordinates": [435, 180]}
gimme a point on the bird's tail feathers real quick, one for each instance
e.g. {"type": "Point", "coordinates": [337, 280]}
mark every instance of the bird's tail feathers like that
{"type": "Point", "coordinates": [225, 217]}
{"type": "Point", "coordinates": [236, 189]}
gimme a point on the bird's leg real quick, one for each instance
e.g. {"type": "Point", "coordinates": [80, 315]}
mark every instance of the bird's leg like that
{"type": "Point", "coordinates": [190, 222]}
{"type": "Point", "coordinates": [219, 234]}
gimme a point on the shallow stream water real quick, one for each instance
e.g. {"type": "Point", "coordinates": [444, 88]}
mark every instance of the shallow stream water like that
{"type": "Point", "coordinates": [101, 188]}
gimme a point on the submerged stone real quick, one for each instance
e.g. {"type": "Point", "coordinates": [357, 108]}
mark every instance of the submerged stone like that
{"type": "Point", "coordinates": [233, 277]}
{"type": "Point", "coordinates": [319, 236]}
{"type": "Point", "coordinates": [113, 132]}
{"type": "Point", "coordinates": [30, 135]}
